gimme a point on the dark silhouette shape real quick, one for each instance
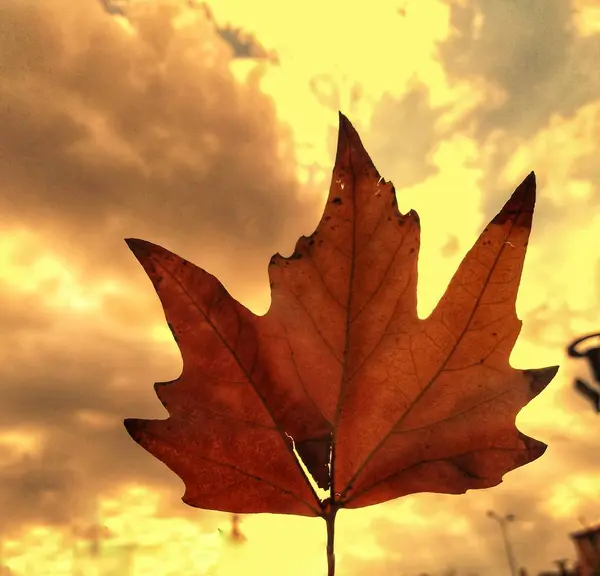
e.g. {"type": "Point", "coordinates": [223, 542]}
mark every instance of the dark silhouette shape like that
{"type": "Point", "coordinates": [236, 534]}
{"type": "Point", "coordinates": [593, 357]}
{"type": "Point", "coordinates": [562, 566]}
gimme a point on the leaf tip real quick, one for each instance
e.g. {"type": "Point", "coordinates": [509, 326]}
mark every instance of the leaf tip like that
{"type": "Point", "coordinates": [526, 190]}
{"type": "Point", "coordinates": [138, 247]}
{"type": "Point", "coordinates": [519, 207]}
{"type": "Point", "coordinates": [187, 499]}
{"type": "Point", "coordinates": [351, 153]}
{"type": "Point", "coordinates": [132, 425]}
{"type": "Point", "coordinates": [534, 448]}
{"type": "Point", "coordinates": [346, 131]}
{"type": "Point", "coordinates": [132, 241]}
{"type": "Point", "coordinates": [540, 378]}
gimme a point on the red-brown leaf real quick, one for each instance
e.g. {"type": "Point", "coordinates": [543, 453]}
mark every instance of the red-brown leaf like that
{"type": "Point", "coordinates": [412, 405]}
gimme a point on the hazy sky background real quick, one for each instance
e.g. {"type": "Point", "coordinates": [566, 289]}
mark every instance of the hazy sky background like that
{"type": "Point", "coordinates": [147, 126]}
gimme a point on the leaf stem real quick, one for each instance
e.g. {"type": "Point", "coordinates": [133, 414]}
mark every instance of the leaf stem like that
{"type": "Point", "coordinates": [330, 521]}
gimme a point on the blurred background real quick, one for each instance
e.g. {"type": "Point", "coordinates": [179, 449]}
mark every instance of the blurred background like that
{"type": "Point", "coordinates": [210, 128]}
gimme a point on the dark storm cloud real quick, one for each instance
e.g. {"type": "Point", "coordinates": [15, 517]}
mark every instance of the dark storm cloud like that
{"type": "Point", "coordinates": [73, 394]}
{"type": "Point", "coordinates": [40, 488]}
{"type": "Point", "coordinates": [108, 135]}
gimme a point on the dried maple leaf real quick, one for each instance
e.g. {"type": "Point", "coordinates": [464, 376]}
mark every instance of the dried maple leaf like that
{"type": "Point", "coordinates": [377, 402]}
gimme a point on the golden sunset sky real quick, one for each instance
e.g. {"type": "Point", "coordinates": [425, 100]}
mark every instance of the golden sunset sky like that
{"type": "Point", "coordinates": [140, 121]}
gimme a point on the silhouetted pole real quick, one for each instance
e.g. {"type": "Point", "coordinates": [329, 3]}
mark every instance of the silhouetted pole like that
{"type": "Point", "coordinates": [562, 567]}
{"type": "Point", "coordinates": [236, 534]}
{"type": "Point", "coordinates": [503, 521]}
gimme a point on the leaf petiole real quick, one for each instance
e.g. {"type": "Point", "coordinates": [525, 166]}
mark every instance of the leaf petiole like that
{"type": "Point", "coordinates": [329, 517]}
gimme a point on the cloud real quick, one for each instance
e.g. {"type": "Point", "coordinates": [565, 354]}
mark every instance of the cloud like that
{"type": "Point", "coordinates": [112, 132]}
{"type": "Point", "coordinates": [410, 116]}
{"type": "Point", "coordinates": [118, 128]}
{"type": "Point", "coordinates": [534, 54]}
{"type": "Point", "coordinates": [531, 50]}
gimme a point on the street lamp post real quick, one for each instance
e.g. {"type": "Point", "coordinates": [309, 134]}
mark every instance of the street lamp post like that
{"type": "Point", "coordinates": [503, 521]}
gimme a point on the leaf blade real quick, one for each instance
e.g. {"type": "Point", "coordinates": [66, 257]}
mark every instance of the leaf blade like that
{"type": "Point", "coordinates": [341, 366]}
{"type": "Point", "coordinates": [461, 315]}
{"type": "Point", "coordinates": [220, 427]}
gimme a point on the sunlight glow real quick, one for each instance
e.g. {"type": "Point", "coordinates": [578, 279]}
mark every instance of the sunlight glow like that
{"type": "Point", "coordinates": [328, 62]}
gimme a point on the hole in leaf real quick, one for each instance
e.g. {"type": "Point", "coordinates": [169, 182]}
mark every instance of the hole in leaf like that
{"type": "Point", "coordinates": [322, 494]}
